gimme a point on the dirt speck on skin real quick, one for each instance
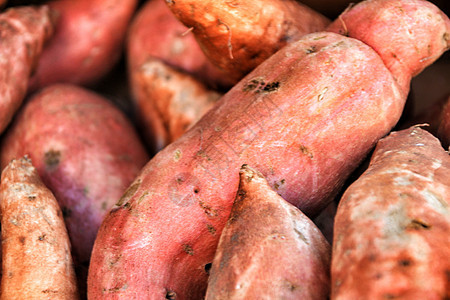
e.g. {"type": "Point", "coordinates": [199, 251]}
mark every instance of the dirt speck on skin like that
{"type": "Point", "coordinates": [52, 158]}
{"type": "Point", "coordinates": [129, 193]}
{"type": "Point", "coordinates": [306, 151]}
{"type": "Point", "coordinates": [188, 249]}
{"type": "Point", "coordinates": [259, 85]}
{"type": "Point", "coordinates": [211, 229]}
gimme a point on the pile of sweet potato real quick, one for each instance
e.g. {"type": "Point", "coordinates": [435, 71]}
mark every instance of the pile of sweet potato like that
{"type": "Point", "coordinates": [178, 149]}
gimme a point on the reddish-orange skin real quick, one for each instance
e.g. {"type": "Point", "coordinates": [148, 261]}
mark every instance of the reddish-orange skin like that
{"type": "Point", "coordinates": [37, 258]}
{"type": "Point", "coordinates": [167, 101]}
{"type": "Point", "coordinates": [239, 35]}
{"type": "Point", "coordinates": [155, 32]}
{"type": "Point", "coordinates": [87, 42]}
{"type": "Point", "coordinates": [85, 150]}
{"type": "Point", "coordinates": [372, 22]}
{"type": "Point", "coordinates": [268, 249]}
{"type": "Point", "coordinates": [305, 118]}
{"type": "Point", "coordinates": [287, 132]}
{"type": "Point", "coordinates": [23, 32]}
{"type": "Point", "coordinates": [391, 236]}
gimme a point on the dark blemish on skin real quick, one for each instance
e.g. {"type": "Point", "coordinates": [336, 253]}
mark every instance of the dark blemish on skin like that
{"type": "Point", "coordinates": [211, 229]}
{"type": "Point", "coordinates": [271, 87]}
{"type": "Point", "coordinates": [291, 286]}
{"type": "Point", "coordinates": [258, 85]}
{"type": "Point", "coordinates": [50, 291]}
{"type": "Point", "coordinates": [104, 205]}
{"type": "Point", "coordinates": [418, 224]}
{"type": "Point", "coordinates": [32, 198]}
{"type": "Point", "coordinates": [404, 263]}
{"type": "Point", "coordinates": [188, 249]}
{"type": "Point", "coordinates": [311, 49]}
{"type": "Point", "coordinates": [305, 150]}
{"type": "Point", "coordinates": [129, 193]}
{"type": "Point", "coordinates": [42, 237]}
{"type": "Point", "coordinates": [22, 240]}
{"type": "Point", "coordinates": [278, 185]}
{"type": "Point", "coordinates": [171, 295]}
{"type": "Point", "coordinates": [52, 159]}
{"type": "Point", "coordinates": [209, 211]}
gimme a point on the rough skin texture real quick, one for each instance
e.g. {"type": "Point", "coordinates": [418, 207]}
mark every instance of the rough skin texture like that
{"type": "Point", "coordinates": [167, 101]}
{"type": "Point", "coordinates": [391, 236]}
{"type": "Point", "coordinates": [268, 249]}
{"type": "Point", "coordinates": [155, 32]}
{"type": "Point", "coordinates": [37, 263]}
{"type": "Point", "coordinates": [239, 35]}
{"type": "Point", "coordinates": [305, 118]}
{"type": "Point", "coordinates": [86, 152]}
{"type": "Point", "coordinates": [87, 42]}
{"type": "Point", "coordinates": [23, 32]}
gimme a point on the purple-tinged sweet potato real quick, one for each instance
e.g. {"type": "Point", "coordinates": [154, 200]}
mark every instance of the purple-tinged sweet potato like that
{"type": "Point", "coordinates": [23, 32]}
{"type": "Point", "coordinates": [168, 102]}
{"type": "Point", "coordinates": [85, 150]}
{"type": "Point", "coordinates": [156, 33]}
{"type": "Point", "coordinates": [87, 43]}
{"type": "Point", "coordinates": [268, 249]}
{"type": "Point", "coordinates": [239, 35]}
{"type": "Point", "coordinates": [391, 238]}
{"type": "Point", "coordinates": [305, 118]}
{"type": "Point", "coordinates": [37, 261]}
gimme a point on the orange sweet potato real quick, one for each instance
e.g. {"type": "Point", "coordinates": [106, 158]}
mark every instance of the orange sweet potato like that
{"type": "Point", "coordinates": [305, 118]}
{"type": "Point", "coordinates": [85, 150]}
{"type": "Point", "coordinates": [391, 236]}
{"type": "Point", "coordinates": [37, 262]}
{"type": "Point", "coordinates": [239, 35]}
{"type": "Point", "coordinates": [23, 32]}
{"type": "Point", "coordinates": [268, 249]}
{"type": "Point", "coordinates": [87, 42]}
{"type": "Point", "coordinates": [167, 101]}
{"type": "Point", "coordinates": [156, 33]}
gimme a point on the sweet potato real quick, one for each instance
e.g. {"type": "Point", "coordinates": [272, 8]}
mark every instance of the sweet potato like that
{"type": "Point", "coordinates": [87, 42]}
{"type": "Point", "coordinates": [85, 150]}
{"type": "Point", "coordinates": [23, 32]}
{"type": "Point", "coordinates": [304, 118]}
{"type": "Point", "coordinates": [268, 249]}
{"type": "Point", "coordinates": [37, 262]}
{"type": "Point", "coordinates": [238, 35]}
{"type": "Point", "coordinates": [400, 58]}
{"type": "Point", "coordinates": [167, 101]}
{"type": "Point", "coordinates": [156, 33]}
{"type": "Point", "coordinates": [391, 232]}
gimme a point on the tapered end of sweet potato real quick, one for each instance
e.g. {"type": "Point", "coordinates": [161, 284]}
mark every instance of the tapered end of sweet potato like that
{"type": "Point", "coordinates": [264, 232]}
{"type": "Point", "coordinates": [409, 35]}
{"type": "Point", "coordinates": [23, 32]}
{"type": "Point", "coordinates": [239, 35]}
{"type": "Point", "coordinates": [35, 245]}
